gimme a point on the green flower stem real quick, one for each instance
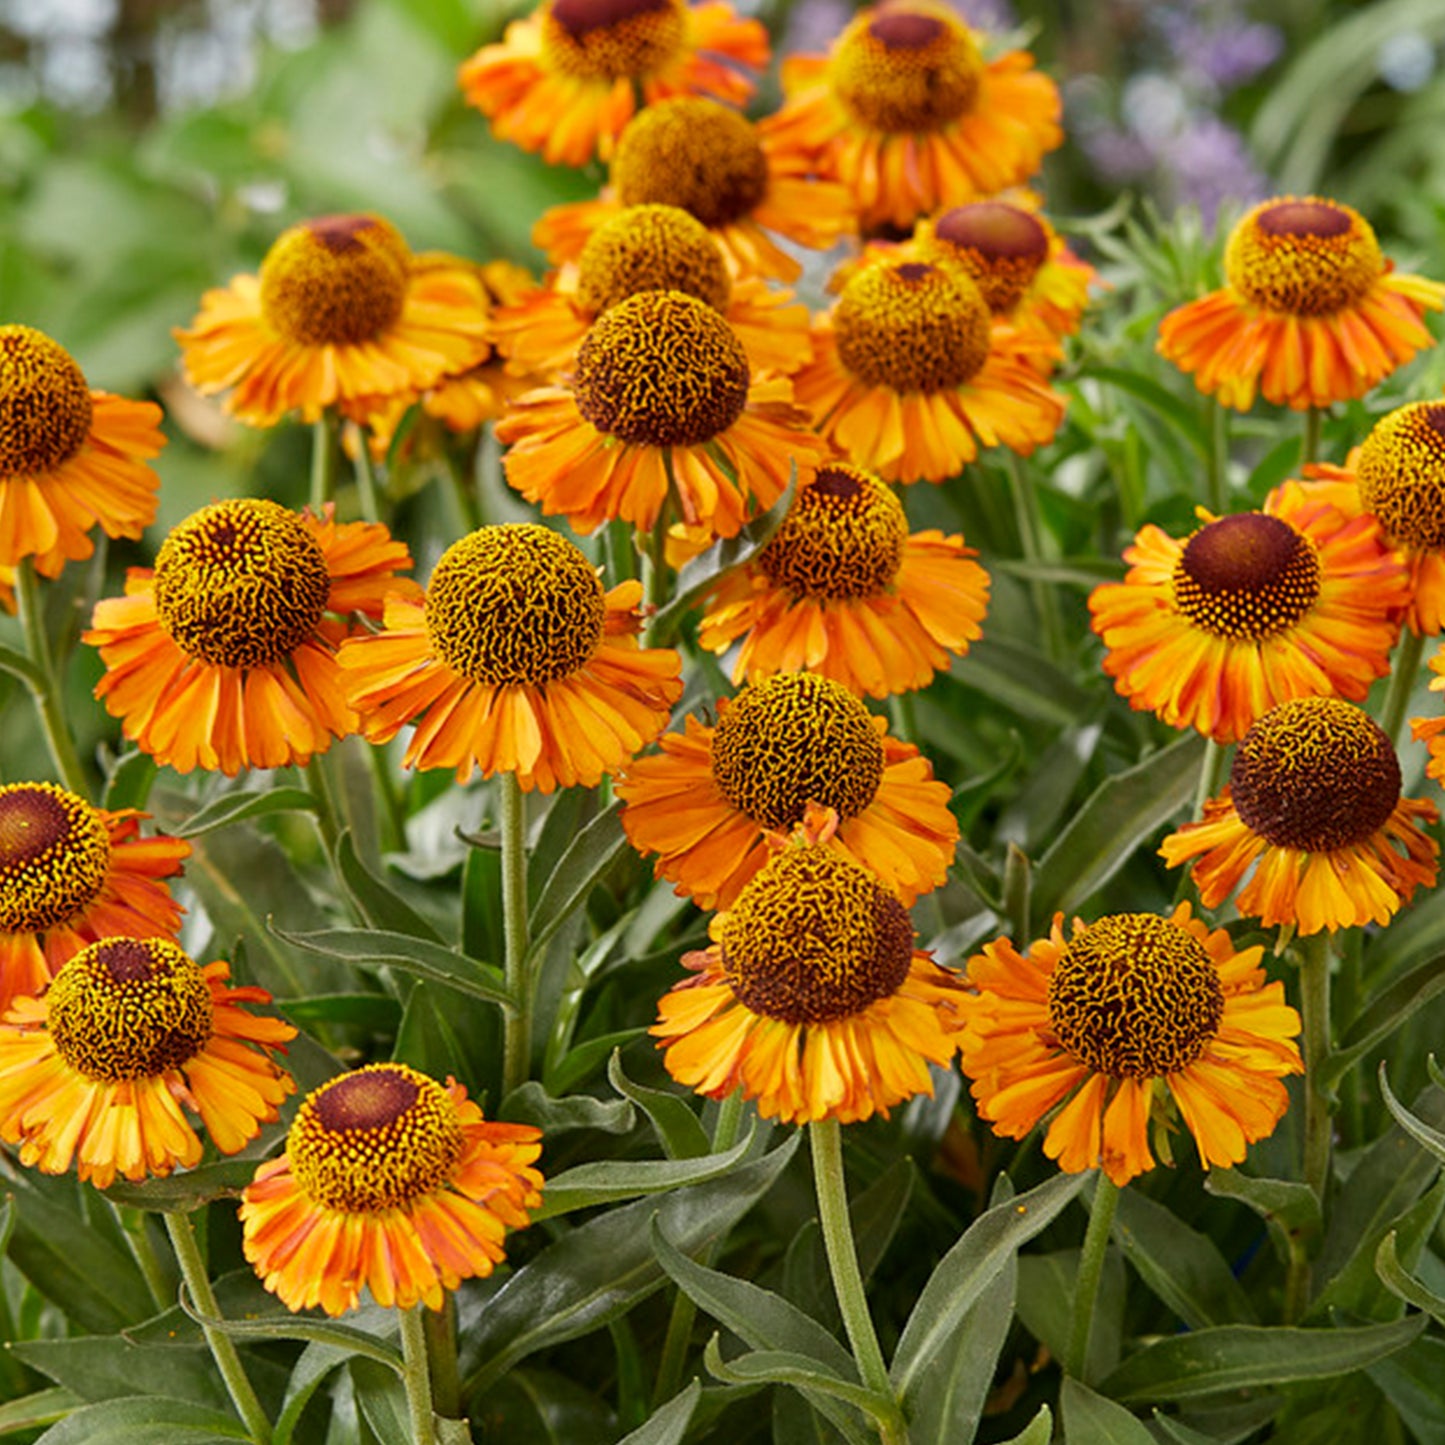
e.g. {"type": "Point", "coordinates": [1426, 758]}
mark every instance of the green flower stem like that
{"type": "Point", "coordinates": [416, 1376]}
{"type": "Point", "coordinates": [366, 481]}
{"type": "Point", "coordinates": [1091, 1269]}
{"type": "Point", "coordinates": [1315, 1041]}
{"type": "Point", "coordinates": [1031, 532]}
{"type": "Point", "coordinates": [45, 685]}
{"type": "Point", "coordinates": [826, 1138]}
{"type": "Point", "coordinates": [517, 1034]}
{"type": "Point", "coordinates": [1212, 773]}
{"type": "Point", "coordinates": [133, 1222]}
{"type": "Point", "coordinates": [441, 1350]}
{"type": "Point", "coordinates": [1404, 674]}
{"type": "Point", "coordinates": [1216, 479]}
{"type": "Point", "coordinates": [223, 1350]}
{"type": "Point", "coordinates": [1310, 448]}
{"type": "Point", "coordinates": [323, 460]}
{"type": "Point", "coordinates": [318, 784]}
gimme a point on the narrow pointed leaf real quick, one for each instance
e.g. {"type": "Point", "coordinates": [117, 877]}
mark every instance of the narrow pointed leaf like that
{"type": "Point", "coordinates": [240, 807]}
{"type": "Point", "coordinates": [778, 1367]}
{"type": "Point", "coordinates": [295, 1327]}
{"type": "Point", "coordinates": [1385, 1013]}
{"type": "Point", "coordinates": [380, 904]}
{"type": "Point", "coordinates": [1039, 1430]}
{"type": "Point", "coordinates": [589, 855]}
{"type": "Point", "coordinates": [1399, 1281]}
{"type": "Point", "coordinates": [667, 1425]}
{"type": "Point", "coordinates": [1090, 1419]}
{"type": "Point", "coordinates": [144, 1420]}
{"type": "Point", "coordinates": [1416, 1128]}
{"type": "Point", "coordinates": [678, 1129]}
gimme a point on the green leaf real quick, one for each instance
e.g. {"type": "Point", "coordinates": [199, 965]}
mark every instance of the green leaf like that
{"type": "Point", "coordinates": [307, 1376]}
{"type": "Point", "coordinates": [1039, 1430]}
{"type": "Point", "coordinates": [439, 1029]}
{"type": "Point", "coordinates": [431, 961]}
{"type": "Point", "coordinates": [31, 1412]}
{"type": "Point", "coordinates": [678, 1129]}
{"type": "Point", "coordinates": [1417, 1129]}
{"type": "Point", "coordinates": [1180, 1265]}
{"type": "Point", "coordinates": [129, 782]}
{"type": "Point", "coordinates": [108, 1367]}
{"type": "Point", "coordinates": [143, 1420]}
{"type": "Point", "coordinates": [1122, 812]}
{"type": "Point", "coordinates": [1090, 1419]}
{"type": "Point", "coordinates": [18, 665]}
{"type": "Point", "coordinates": [1182, 417]}
{"type": "Point", "coordinates": [1413, 1381]}
{"type": "Point", "coordinates": [1023, 681]}
{"type": "Point", "coordinates": [383, 1403]}
{"type": "Point", "coordinates": [1290, 1209]}
{"type": "Point", "coordinates": [232, 808]}
{"type": "Point", "coordinates": [1399, 1281]}
{"type": "Point", "coordinates": [778, 1367]}
{"type": "Point", "coordinates": [531, 1104]}
{"type": "Point", "coordinates": [482, 933]}
{"type": "Point", "coordinates": [668, 1424]}
{"type": "Point", "coordinates": [590, 854]}
{"type": "Point", "coordinates": [188, 1190]}
{"type": "Point", "coordinates": [1241, 1357]}
{"type": "Point", "coordinates": [286, 1326]}
{"type": "Point", "coordinates": [380, 904]}
{"type": "Point", "coordinates": [966, 1271]}
{"type": "Point", "coordinates": [612, 1180]}
{"type": "Point", "coordinates": [1386, 1012]}
{"type": "Point", "coordinates": [1045, 1305]}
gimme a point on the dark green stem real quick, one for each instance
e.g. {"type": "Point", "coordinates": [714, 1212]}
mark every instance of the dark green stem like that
{"type": "Point", "coordinates": [1217, 476]}
{"type": "Point", "coordinates": [1404, 674]}
{"type": "Point", "coordinates": [323, 460]}
{"type": "Point", "coordinates": [1310, 447]}
{"type": "Point", "coordinates": [1212, 772]}
{"type": "Point", "coordinates": [1314, 978]}
{"type": "Point", "coordinates": [366, 499]}
{"type": "Point", "coordinates": [441, 1349]}
{"type": "Point", "coordinates": [45, 685]}
{"type": "Point", "coordinates": [1031, 537]}
{"type": "Point", "coordinates": [416, 1376]}
{"type": "Point", "coordinates": [1091, 1270]}
{"type": "Point", "coordinates": [517, 1036]}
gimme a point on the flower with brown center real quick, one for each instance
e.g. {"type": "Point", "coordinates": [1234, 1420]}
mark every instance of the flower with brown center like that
{"type": "Point", "coordinates": [909, 375]}
{"type": "Point", "coordinates": [844, 590]}
{"type": "Point", "coordinates": [71, 874]}
{"type": "Point", "coordinates": [1128, 1019]}
{"type": "Point", "coordinates": [517, 661]}
{"type": "Point", "coordinates": [101, 1068]}
{"type": "Point", "coordinates": [565, 80]}
{"type": "Point", "coordinates": [1311, 312]}
{"type": "Point", "coordinates": [70, 458]}
{"type": "Point", "coordinates": [1251, 610]}
{"type": "Point", "coordinates": [390, 1182]}
{"type": "Point", "coordinates": [707, 803]}
{"type": "Point", "coordinates": [341, 315]}
{"type": "Point", "coordinates": [812, 998]}
{"type": "Point", "coordinates": [906, 111]}
{"type": "Point", "coordinates": [1314, 805]}
{"type": "Point", "coordinates": [223, 655]}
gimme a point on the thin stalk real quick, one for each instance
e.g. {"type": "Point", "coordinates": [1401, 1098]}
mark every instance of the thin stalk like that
{"type": "Point", "coordinates": [1310, 447]}
{"type": "Point", "coordinates": [133, 1222]}
{"type": "Point", "coordinates": [826, 1138]}
{"type": "Point", "coordinates": [1030, 525]}
{"type": "Point", "coordinates": [517, 1028]}
{"type": "Point", "coordinates": [318, 784]}
{"type": "Point", "coordinates": [441, 1350]}
{"type": "Point", "coordinates": [1091, 1270]}
{"type": "Point", "coordinates": [416, 1376]}
{"type": "Point", "coordinates": [1216, 479]}
{"type": "Point", "coordinates": [903, 717]}
{"type": "Point", "coordinates": [1315, 1042]}
{"type": "Point", "coordinates": [223, 1350]}
{"type": "Point", "coordinates": [1404, 674]}
{"type": "Point", "coordinates": [1212, 772]}
{"type": "Point", "coordinates": [655, 571]}
{"type": "Point", "coordinates": [45, 686]}
{"type": "Point", "coordinates": [323, 460]}
{"type": "Point", "coordinates": [393, 815]}
{"type": "Point", "coordinates": [366, 481]}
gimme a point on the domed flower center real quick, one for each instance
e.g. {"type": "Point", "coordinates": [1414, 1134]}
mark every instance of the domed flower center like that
{"type": "Point", "coordinates": [611, 39]}
{"type": "Point", "coordinates": [241, 583]}
{"type": "Point", "coordinates": [375, 1139]}
{"type": "Point", "coordinates": [906, 68]}
{"type": "Point", "coordinates": [693, 153]}
{"type": "Point", "coordinates": [661, 369]}
{"type": "Point", "coordinates": [912, 326]}
{"type": "Point", "coordinates": [1135, 996]}
{"type": "Point", "coordinates": [1401, 468]}
{"type": "Point", "coordinates": [813, 938]}
{"type": "Point", "coordinates": [514, 604]}
{"type": "Point", "coordinates": [793, 739]}
{"type": "Point", "coordinates": [129, 1008]}
{"type": "Point", "coordinates": [651, 248]}
{"type": "Point", "coordinates": [1305, 258]}
{"type": "Point", "coordinates": [1001, 246]}
{"type": "Point", "coordinates": [1246, 577]}
{"type": "Point", "coordinates": [54, 853]}
{"type": "Point", "coordinates": [842, 538]}
{"type": "Point", "coordinates": [44, 403]}
{"type": "Point", "coordinates": [1315, 774]}
{"type": "Point", "coordinates": [335, 281]}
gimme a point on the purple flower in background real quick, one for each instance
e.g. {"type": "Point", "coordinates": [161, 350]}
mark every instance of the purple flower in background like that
{"type": "Point", "coordinates": [1206, 164]}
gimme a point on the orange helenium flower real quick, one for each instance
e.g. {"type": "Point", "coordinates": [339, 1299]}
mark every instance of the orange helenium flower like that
{"type": "Point", "coordinates": [70, 875]}
{"type": "Point", "coordinates": [812, 999]}
{"type": "Point", "coordinates": [844, 590]}
{"type": "Point", "coordinates": [517, 661]}
{"type": "Point", "coordinates": [1431, 731]}
{"type": "Point", "coordinates": [1129, 1016]}
{"type": "Point", "coordinates": [341, 315]}
{"type": "Point", "coordinates": [906, 112]}
{"type": "Point", "coordinates": [564, 81]}
{"type": "Point", "coordinates": [70, 457]}
{"type": "Point", "coordinates": [1251, 610]}
{"type": "Point", "coordinates": [1313, 805]}
{"type": "Point", "coordinates": [390, 1182]}
{"type": "Point", "coordinates": [708, 802]}
{"type": "Point", "coordinates": [224, 655]}
{"type": "Point", "coordinates": [1311, 312]}
{"type": "Point", "coordinates": [130, 1035]}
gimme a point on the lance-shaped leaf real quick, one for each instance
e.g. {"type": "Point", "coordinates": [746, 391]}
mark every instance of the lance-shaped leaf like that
{"type": "Point", "coordinates": [240, 807]}
{"type": "Point", "coordinates": [589, 855]}
{"type": "Point", "coordinates": [1386, 1012]}
{"type": "Point", "coordinates": [779, 1367]}
{"type": "Point", "coordinates": [1090, 1419]}
{"type": "Point", "coordinates": [1399, 1281]}
{"type": "Point", "coordinates": [667, 1425]}
{"type": "Point", "coordinates": [678, 1129]}
{"type": "Point", "coordinates": [144, 1420]}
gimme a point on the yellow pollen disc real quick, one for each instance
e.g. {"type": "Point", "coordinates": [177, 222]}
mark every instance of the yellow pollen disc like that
{"type": "Point", "coordinates": [842, 538]}
{"type": "Point", "coordinates": [1315, 774]}
{"type": "Point", "coordinates": [54, 853]}
{"type": "Point", "coordinates": [1135, 996]}
{"type": "Point", "coordinates": [912, 326]}
{"type": "Point", "coordinates": [663, 370]}
{"type": "Point", "coordinates": [1303, 257]}
{"type": "Point", "coordinates": [610, 39]}
{"type": "Point", "coordinates": [338, 281]}
{"type": "Point", "coordinates": [1401, 468]}
{"type": "Point", "coordinates": [793, 739]}
{"type": "Point", "coordinates": [1246, 577]}
{"type": "Point", "coordinates": [651, 248]}
{"type": "Point", "coordinates": [374, 1139]}
{"type": "Point", "coordinates": [694, 153]}
{"type": "Point", "coordinates": [1001, 247]}
{"type": "Point", "coordinates": [813, 938]}
{"type": "Point", "coordinates": [129, 1008]}
{"type": "Point", "coordinates": [514, 604]}
{"type": "Point", "coordinates": [44, 403]}
{"type": "Point", "coordinates": [241, 583]}
{"type": "Point", "coordinates": [906, 68]}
